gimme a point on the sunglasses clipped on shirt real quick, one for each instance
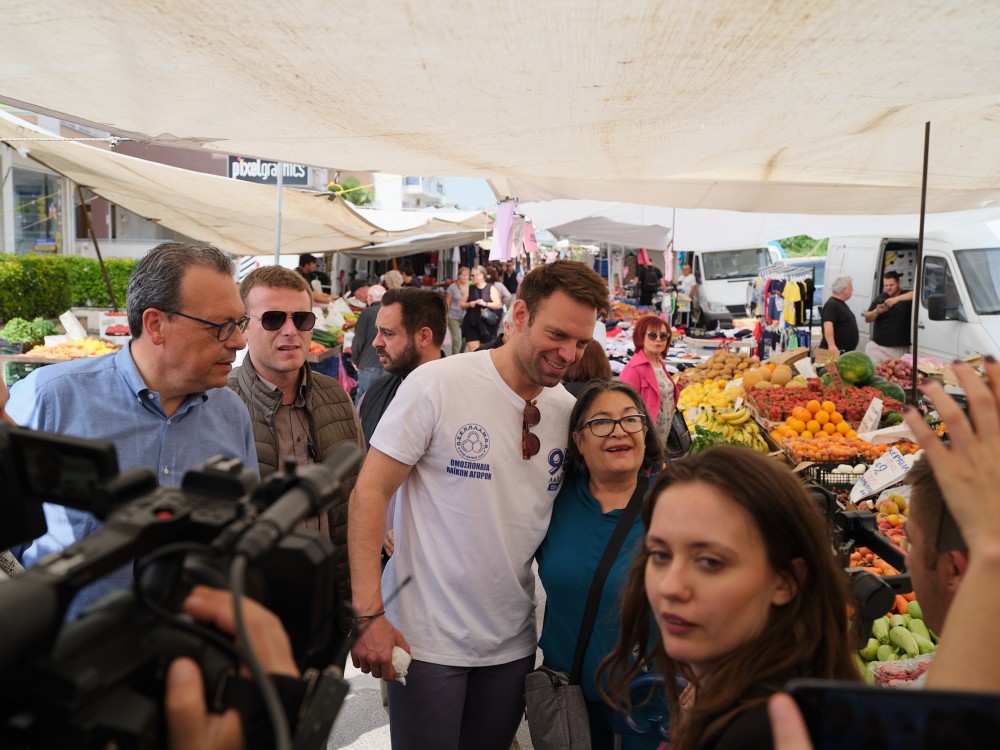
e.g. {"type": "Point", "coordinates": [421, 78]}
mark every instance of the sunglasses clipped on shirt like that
{"type": "Point", "coordinates": [273, 320]}
{"type": "Point", "coordinates": [530, 444]}
{"type": "Point", "coordinates": [661, 335]}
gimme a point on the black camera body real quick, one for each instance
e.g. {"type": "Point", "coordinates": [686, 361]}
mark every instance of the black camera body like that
{"type": "Point", "coordinates": [99, 679]}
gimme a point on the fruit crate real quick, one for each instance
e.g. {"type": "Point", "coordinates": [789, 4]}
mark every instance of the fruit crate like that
{"type": "Point", "coordinates": [13, 347]}
{"type": "Point", "coordinates": [825, 474]}
{"type": "Point", "coordinates": [15, 368]}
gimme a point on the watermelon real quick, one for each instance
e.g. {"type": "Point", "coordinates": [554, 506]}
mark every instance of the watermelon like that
{"type": "Point", "coordinates": [856, 368]}
{"type": "Point", "coordinates": [891, 390]}
{"type": "Point", "coordinates": [826, 380]}
{"type": "Point", "coordinates": [892, 419]}
{"type": "Point", "coordinates": [875, 380]}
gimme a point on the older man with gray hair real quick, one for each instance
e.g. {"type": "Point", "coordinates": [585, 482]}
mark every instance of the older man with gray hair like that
{"type": "Point", "coordinates": [840, 327]}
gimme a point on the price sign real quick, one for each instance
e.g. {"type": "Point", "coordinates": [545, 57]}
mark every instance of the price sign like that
{"type": "Point", "coordinates": [834, 373]}
{"type": "Point", "coordinates": [805, 368]}
{"type": "Point", "coordinates": [887, 470]}
{"type": "Point", "coordinates": [889, 435]}
{"type": "Point", "coordinates": [872, 417]}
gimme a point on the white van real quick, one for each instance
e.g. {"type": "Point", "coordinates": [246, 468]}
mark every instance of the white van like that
{"type": "Point", "coordinates": [722, 277]}
{"type": "Point", "coordinates": [959, 305]}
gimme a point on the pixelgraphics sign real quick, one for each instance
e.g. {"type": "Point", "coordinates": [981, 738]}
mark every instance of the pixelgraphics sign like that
{"type": "Point", "coordinates": [266, 172]}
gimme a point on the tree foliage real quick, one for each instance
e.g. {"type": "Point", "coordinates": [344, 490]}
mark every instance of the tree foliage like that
{"type": "Point", "coordinates": [351, 190]}
{"type": "Point", "coordinates": [803, 246]}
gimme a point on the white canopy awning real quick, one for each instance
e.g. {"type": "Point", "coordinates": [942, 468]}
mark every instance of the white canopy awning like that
{"type": "Point", "coordinates": [708, 229]}
{"type": "Point", "coordinates": [419, 243]}
{"type": "Point", "coordinates": [797, 107]}
{"type": "Point", "coordinates": [235, 216]}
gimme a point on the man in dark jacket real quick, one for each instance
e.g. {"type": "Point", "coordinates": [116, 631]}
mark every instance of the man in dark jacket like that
{"type": "Point", "coordinates": [362, 353]}
{"type": "Point", "coordinates": [295, 411]}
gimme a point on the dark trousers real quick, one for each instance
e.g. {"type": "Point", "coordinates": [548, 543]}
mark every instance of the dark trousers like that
{"type": "Point", "coordinates": [458, 708]}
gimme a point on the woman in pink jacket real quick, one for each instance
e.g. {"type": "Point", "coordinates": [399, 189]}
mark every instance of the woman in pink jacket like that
{"type": "Point", "coordinates": [647, 373]}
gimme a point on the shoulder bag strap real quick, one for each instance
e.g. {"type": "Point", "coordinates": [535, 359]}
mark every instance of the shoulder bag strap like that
{"type": "Point", "coordinates": [621, 531]}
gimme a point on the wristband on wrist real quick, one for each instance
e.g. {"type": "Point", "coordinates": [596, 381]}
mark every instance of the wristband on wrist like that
{"type": "Point", "coordinates": [363, 619]}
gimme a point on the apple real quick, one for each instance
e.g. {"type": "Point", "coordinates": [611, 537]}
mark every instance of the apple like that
{"type": "Point", "coordinates": [888, 506]}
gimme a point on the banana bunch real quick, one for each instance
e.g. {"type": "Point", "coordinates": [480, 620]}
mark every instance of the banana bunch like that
{"type": "Point", "coordinates": [734, 426]}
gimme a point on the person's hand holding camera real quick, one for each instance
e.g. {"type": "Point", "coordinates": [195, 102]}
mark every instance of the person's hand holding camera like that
{"type": "Point", "coordinates": [189, 724]}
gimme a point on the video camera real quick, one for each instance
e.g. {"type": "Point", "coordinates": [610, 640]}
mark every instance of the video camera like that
{"type": "Point", "coordinates": [98, 681]}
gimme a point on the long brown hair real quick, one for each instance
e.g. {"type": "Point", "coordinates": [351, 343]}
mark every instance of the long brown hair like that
{"type": "Point", "coordinates": [808, 637]}
{"type": "Point", "coordinates": [592, 364]}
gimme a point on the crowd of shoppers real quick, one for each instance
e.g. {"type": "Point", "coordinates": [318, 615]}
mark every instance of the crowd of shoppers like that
{"type": "Point", "coordinates": [725, 581]}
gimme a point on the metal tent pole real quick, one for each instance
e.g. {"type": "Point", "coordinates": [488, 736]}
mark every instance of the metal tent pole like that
{"type": "Point", "coordinates": [277, 220]}
{"type": "Point", "coordinates": [918, 273]}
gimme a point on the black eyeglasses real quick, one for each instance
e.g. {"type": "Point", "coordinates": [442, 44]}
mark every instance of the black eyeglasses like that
{"type": "Point", "coordinates": [529, 441]}
{"type": "Point", "coordinates": [224, 331]}
{"type": "Point", "coordinates": [272, 320]}
{"type": "Point", "coordinates": [661, 335]}
{"type": "Point", "coordinates": [603, 426]}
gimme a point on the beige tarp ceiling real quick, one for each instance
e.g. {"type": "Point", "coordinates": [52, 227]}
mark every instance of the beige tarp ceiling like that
{"type": "Point", "coordinates": [236, 216]}
{"type": "Point", "coordinates": [754, 105]}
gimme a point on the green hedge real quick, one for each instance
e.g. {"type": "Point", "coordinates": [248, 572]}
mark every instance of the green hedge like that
{"type": "Point", "coordinates": [48, 285]}
{"type": "Point", "coordinates": [12, 287]}
{"type": "Point", "coordinates": [87, 281]}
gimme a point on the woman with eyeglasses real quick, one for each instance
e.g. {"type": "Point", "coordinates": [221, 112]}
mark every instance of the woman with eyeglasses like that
{"type": "Point", "coordinates": [476, 300]}
{"type": "Point", "coordinates": [647, 372]}
{"type": "Point", "coordinates": [611, 455]}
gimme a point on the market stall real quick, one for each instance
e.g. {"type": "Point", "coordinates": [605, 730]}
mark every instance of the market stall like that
{"type": "Point", "coordinates": [839, 425]}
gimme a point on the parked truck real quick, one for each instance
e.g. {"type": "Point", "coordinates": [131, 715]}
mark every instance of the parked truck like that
{"type": "Point", "coordinates": [722, 277]}
{"type": "Point", "coordinates": [958, 306]}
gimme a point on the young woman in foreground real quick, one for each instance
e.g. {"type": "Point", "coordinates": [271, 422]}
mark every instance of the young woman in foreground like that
{"type": "Point", "coordinates": [738, 572]}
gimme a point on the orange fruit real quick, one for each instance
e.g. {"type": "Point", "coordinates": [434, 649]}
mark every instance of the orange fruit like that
{"type": "Point", "coordinates": [829, 407]}
{"type": "Point", "coordinates": [842, 427]}
{"type": "Point", "coordinates": [822, 416]}
{"type": "Point", "coordinates": [790, 419]}
{"type": "Point", "coordinates": [802, 413]}
{"type": "Point", "coordinates": [798, 425]}
{"type": "Point", "coordinates": [836, 418]}
{"type": "Point", "coordinates": [850, 434]}
{"type": "Point", "coordinates": [813, 406]}
{"type": "Point", "coordinates": [829, 428]}
{"type": "Point", "coordinates": [806, 435]}
{"type": "Point", "coordinates": [813, 426]}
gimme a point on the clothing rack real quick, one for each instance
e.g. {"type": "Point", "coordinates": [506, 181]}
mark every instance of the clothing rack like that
{"type": "Point", "coordinates": [793, 274]}
{"type": "Point", "coordinates": [788, 273]}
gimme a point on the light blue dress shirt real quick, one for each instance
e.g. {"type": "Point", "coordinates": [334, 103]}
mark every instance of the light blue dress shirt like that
{"type": "Point", "coordinates": [105, 398]}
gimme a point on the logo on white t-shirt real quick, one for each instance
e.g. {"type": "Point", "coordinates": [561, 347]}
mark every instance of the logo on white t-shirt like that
{"type": "Point", "coordinates": [472, 442]}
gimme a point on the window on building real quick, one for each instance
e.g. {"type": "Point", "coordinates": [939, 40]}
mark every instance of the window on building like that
{"type": "Point", "coordinates": [38, 215]}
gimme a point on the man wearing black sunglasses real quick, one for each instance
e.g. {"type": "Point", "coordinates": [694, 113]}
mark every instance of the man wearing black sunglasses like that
{"type": "Point", "coordinates": [296, 412]}
{"type": "Point", "coordinates": [161, 400]}
{"type": "Point", "coordinates": [472, 448]}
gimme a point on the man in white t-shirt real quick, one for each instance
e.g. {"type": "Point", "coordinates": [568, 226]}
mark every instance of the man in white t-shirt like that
{"type": "Point", "coordinates": [474, 445]}
{"type": "Point", "coordinates": [688, 281]}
